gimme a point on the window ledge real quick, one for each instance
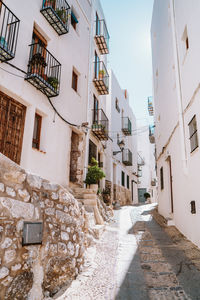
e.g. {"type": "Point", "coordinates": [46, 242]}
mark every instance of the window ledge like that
{"type": "Point", "coordinates": [38, 150]}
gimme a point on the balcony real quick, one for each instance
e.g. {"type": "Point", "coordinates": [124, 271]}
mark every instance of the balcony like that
{"type": "Point", "coordinates": [43, 70]}
{"type": "Point", "coordinates": [57, 13]}
{"type": "Point", "coordinates": [153, 182]}
{"type": "Point", "coordinates": [100, 124]}
{"type": "Point", "coordinates": [151, 134]}
{"type": "Point", "coordinates": [150, 106]}
{"type": "Point", "coordinates": [126, 126]}
{"type": "Point", "coordinates": [127, 157]}
{"type": "Point", "coordinates": [102, 37]}
{"type": "Point", "coordinates": [9, 27]}
{"type": "Point", "coordinates": [101, 78]}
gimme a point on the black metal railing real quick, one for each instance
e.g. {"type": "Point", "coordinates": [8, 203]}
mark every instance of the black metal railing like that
{"type": "Point", "coordinates": [127, 157]}
{"type": "Point", "coordinates": [101, 78]}
{"type": "Point", "coordinates": [43, 70]}
{"type": "Point", "coordinates": [126, 126]}
{"type": "Point", "coordinates": [152, 134]}
{"type": "Point", "coordinates": [102, 36]}
{"type": "Point", "coordinates": [9, 27]}
{"type": "Point", "coordinates": [100, 124]}
{"type": "Point", "coordinates": [57, 13]}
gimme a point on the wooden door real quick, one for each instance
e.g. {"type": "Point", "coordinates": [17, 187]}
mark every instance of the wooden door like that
{"type": "Point", "coordinates": [12, 118]}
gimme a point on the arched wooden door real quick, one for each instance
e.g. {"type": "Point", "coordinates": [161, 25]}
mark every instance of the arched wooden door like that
{"type": "Point", "coordinates": [12, 118]}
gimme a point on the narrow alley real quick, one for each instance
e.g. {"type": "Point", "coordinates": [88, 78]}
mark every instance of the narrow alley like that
{"type": "Point", "coordinates": [138, 259]}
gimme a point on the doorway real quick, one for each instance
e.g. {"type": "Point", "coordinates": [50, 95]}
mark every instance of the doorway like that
{"type": "Point", "coordinates": [12, 119]}
{"type": "Point", "coordinates": [75, 169]}
{"type": "Point", "coordinates": [141, 193]}
{"type": "Point", "coordinates": [170, 183]}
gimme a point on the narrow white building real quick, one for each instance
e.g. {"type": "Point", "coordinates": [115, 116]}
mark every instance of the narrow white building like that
{"type": "Point", "coordinates": [175, 45]}
{"type": "Point", "coordinates": [122, 163]}
{"type": "Point", "coordinates": [44, 86]}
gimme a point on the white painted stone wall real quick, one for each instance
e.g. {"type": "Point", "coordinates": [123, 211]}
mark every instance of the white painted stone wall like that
{"type": "Point", "coordinates": [176, 94]}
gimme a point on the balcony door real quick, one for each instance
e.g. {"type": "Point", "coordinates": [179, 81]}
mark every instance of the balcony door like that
{"type": "Point", "coordinates": [96, 111]}
{"type": "Point", "coordinates": [12, 119]}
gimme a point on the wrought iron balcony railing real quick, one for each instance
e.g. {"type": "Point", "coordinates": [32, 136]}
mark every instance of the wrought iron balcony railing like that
{"type": "Point", "coordinates": [57, 13]}
{"type": "Point", "coordinates": [100, 124]}
{"type": "Point", "coordinates": [43, 70]}
{"type": "Point", "coordinates": [102, 37]}
{"type": "Point", "coordinates": [101, 78]}
{"type": "Point", "coordinates": [126, 126]}
{"type": "Point", "coordinates": [151, 134]}
{"type": "Point", "coordinates": [127, 157]}
{"type": "Point", "coordinates": [9, 27]}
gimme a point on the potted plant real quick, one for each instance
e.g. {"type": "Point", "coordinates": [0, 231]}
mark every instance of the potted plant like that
{"type": "Point", "coordinates": [147, 196]}
{"type": "Point", "coordinates": [62, 14]}
{"type": "Point", "coordinates": [94, 174]}
{"type": "Point", "coordinates": [102, 73]}
{"type": "Point", "coordinates": [53, 81]}
{"type": "Point", "coordinates": [38, 59]}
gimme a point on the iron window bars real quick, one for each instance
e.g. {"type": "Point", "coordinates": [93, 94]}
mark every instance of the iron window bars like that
{"type": "Point", "coordinates": [57, 13]}
{"type": "Point", "coordinates": [101, 78]}
{"type": "Point", "coordinates": [100, 124]}
{"type": "Point", "coordinates": [127, 157]}
{"type": "Point", "coordinates": [193, 134]}
{"type": "Point", "coordinates": [9, 27]}
{"type": "Point", "coordinates": [102, 36]}
{"type": "Point", "coordinates": [126, 126]}
{"type": "Point", "coordinates": [43, 70]}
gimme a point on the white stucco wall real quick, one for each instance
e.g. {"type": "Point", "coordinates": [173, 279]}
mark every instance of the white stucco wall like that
{"type": "Point", "coordinates": [166, 90]}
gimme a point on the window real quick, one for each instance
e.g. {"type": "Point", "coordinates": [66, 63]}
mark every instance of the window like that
{"type": "Point", "coordinates": [96, 66]}
{"type": "Point", "coordinates": [74, 20]}
{"type": "Point", "coordinates": [193, 134]}
{"type": "Point", "coordinates": [127, 182]}
{"type": "Point", "coordinates": [97, 25]}
{"type": "Point", "coordinates": [185, 42]}
{"type": "Point", "coordinates": [123, 179]}
{"type": "Point", "coordinates": [161, 179]}
{"type": "Point", "coordinates": [117, 105]}
{"type": "Point", "coordinates": [96, 111]}
{"type": "Point", "coordinates": [74, 81]}
{"type": "Point", "coordinates": [37, 131]}
{"type": "Point", "coordinates": [92, 151]}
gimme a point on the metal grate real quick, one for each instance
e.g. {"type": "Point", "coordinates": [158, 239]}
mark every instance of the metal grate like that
{"type": "Point", "coordinates": [102, 37]}
{"type": "Point", "coordinates": [43, 70]}
{"type": "Point", "coordinates": [126, 126]}
{"type": "Point", "coordinates": [127, 157]}
{"type": "Point", "coordinates": [9, 27]}
{"type": "Point", "coordinates": [57, 13]}
{"type": "Point", "coordinates": [100, 124]}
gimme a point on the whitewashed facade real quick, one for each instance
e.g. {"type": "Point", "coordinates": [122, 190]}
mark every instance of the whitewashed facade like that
{"type": "Point", "coordinates": [175, 46]}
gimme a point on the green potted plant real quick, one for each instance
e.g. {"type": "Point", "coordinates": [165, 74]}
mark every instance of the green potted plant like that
{"type": "Point", "coordinates": [53, 81]}
{"type": "Point", "coordinates": [94, 174]}
{"type": "Point", "coordinates": [62, 14]}
{"type": "Point", "coordinates": [102, 73]}
{"type": "Point", "coordinates": [147, 196]}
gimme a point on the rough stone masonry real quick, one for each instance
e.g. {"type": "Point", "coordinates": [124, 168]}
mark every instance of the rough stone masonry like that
{"type": "Point", "coordinates": [32, 271]}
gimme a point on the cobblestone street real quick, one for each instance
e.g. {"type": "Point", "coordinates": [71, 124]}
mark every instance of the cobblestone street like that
{"type": "Point", "coordinates": [137, 259]}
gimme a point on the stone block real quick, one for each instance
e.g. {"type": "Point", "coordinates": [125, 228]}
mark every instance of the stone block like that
{"type": "Point", "coordinates": [24, 195]}
{"type": "Point", "coordinates": [65, 197]}
{"type": "Point", "coordinates": [49, 203]}
{"type": "Point", "coordinates": [50, 186]}
{"type": "Point", "coordinates": [6, 243]}
{"type": "Point", "coordinates": [3, 272]}
{"type": "Point", "coordinates": [54, 196]}
{"type": "Point", "coordinates": [16, 267]}
{"type": "Point", "coordinates": [15, 177]}
{"type": "Point", "coordinates": [2, 187]}
{"type": "Point", "coordinates": [64, 236]}
{"type": "Point", "coordinates": [63, 217]}
{"type": "Point", "coordinates": [10, 191]}
{"type": "Point", "coordinates": [17, 208]}
{"type": "Point", "coordinates": [50, 211]}
{"type": "Point", "coordinates": [62, 248]}
{"type": "Point", "coordinates": [34, 181]}
{"type": "Point", "coordinates": [9, 256]}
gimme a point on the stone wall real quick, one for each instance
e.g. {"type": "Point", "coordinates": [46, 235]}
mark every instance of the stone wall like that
{"type": "Point", "coordinates": [27, 271]}
{"type": "Point", "coordinates": [122, 195]}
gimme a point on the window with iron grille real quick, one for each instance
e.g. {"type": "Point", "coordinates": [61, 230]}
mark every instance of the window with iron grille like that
{"type": "Point", "coordinates": [92, 151]}
{"type": "Point", "coordinates": [127, 182]}
{"type": "Point", "coordinates": [74, 81]}
{"type": "Point", "coordinates": [37, 131]}
{"type": "Point", "coordinates": [193, 134]}
{"type": "Point", "coordinates": [123, 179]}
{"type": "Point", "coordinates": [161, 178]}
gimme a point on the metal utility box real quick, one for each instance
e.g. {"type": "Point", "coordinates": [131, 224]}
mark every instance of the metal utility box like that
{"type": "Point", "coordinates": [32, 233]}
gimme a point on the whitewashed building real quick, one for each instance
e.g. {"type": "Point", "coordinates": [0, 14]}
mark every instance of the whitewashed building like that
{"type": "Point", "coordinates": [176, 45]}
{"type": "Point", "coordinates": [122, 157]}
{"type": "Point", "coordinates": [43, 76]}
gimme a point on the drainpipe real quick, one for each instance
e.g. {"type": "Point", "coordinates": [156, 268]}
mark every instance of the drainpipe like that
{"type": "Point", "coordinates": [89, 89]}
{"type": "Point", "coordinates": [178, 88]}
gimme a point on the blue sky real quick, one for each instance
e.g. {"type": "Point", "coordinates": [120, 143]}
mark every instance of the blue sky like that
{"type": "Point", "coordinates": [129, 23]}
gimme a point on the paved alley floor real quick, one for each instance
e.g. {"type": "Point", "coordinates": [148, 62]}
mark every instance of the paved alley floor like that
{"type": "Point", "coordinates": [137, 259]}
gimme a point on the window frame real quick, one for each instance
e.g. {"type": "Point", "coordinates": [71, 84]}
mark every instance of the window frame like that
{"type": "Point", "coordinates": [75, 81]}
{"type": "Point", "coordinates": [123, 179]}
{"type": "Point", "coordinates": [128, 182]}
{"type": "Point", "coordinates": [161, 179]}
{"type": "Point", "coordinates": [36, 141]}
{"type": "Point", "coordinates": [193, 133]}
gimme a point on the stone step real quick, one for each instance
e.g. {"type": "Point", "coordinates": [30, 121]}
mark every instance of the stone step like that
{"type": "Point", "coordinates": [89, 196]}
{"type": "Point", "coordinates": [82, 190]}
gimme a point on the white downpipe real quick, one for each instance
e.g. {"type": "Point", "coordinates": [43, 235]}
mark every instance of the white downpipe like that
{"type": "Point", "coordinates": [178, 89]}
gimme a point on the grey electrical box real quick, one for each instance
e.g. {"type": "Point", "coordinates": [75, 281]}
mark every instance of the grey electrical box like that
{"type": "Point", "coordinates": [32, 233]}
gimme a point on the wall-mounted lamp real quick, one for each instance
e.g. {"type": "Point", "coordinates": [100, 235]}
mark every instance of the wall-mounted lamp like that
{"type": "Point", "coordinates": [121, 145]}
